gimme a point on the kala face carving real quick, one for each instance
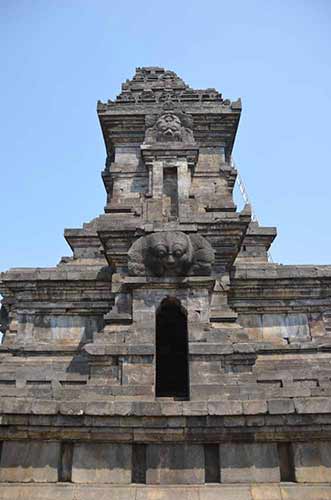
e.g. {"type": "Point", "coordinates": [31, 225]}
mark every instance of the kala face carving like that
{"type": "Point", "coordinates": [169, 127]}
{"type": "Point", "coordinates": [170, 253]}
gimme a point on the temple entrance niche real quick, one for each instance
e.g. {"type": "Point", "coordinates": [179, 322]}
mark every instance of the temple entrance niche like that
{"type": "Point", "coordinates": [171, 350]}
{"type": "Point", "coordinates": [170, 189]}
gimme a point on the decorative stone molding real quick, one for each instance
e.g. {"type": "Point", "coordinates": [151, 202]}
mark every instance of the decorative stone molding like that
{"type": "Point", "coordinates": [170, 126]}
{"type": "Point", "coordinates": [170, 253]}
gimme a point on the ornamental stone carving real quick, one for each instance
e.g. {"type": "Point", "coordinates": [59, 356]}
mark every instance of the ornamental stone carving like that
{"type": "Point", "coordinates": [169, 127]}
{"type": "Point", "coordinates": [170, 253]}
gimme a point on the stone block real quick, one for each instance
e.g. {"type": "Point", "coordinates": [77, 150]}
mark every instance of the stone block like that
{"type": "Point", "coordinates": [280, 406]}
{"type": "Point", "coordinates": [102, 463]}
{"type": "Point", "coordinates": [312, 405]}
{"type": "Point", "coordinates": [254, 407]}
{"type": "Point", "coordinates": [29, 461]}
{"type": "Point", "coordinates": [296, 389]}
{"type": "Point", "coordinates": [171, 408]}
{"type": "Point", "coordinates": [233, 421]}
{"type": "Point", "coordinates": [201, 392]}
{"type": "Point", "coordinates": [249, 462]}
{"type": "Point", "coordinates": [122, 408]}
{"type": "Point", "coordinates": [39, 491]}
{"type": "Point", "coordinates": [148, 408]}
{"type": "Point", "coordinates": [103, 492]}
{"type": "Point", "coordinates": [243, 348]}
{"type": "Point", "coordinates": [208, 348]}
{"type": "Point", "coordinates": [274, 327]}
{"type": "Point", "coordinates": [166, 493]}
{"type": "Point", "coordinates": [42, 407]}
{"type": "Point", "coordinates": [225, 492]}
{"type": "Point", "coordinates": [59, 328]}
{"type": "Point", "coordinates": [16, 406]}
{"type": "Point", "coordinates": [137, 374]}
{"type": "Point", "coordinates": [309, 492]}
{"type": "Point", "coordinates": [195, 408]}
{"type": "Point", "coordinates": [72, 408]}
{"type": "Point", "coordinates": [225, 408]}
{"type": "Point", "coordinates": [297, 327]}
{"type": "Point", "coordinates": [293, 327]}
{"type": "Point", "coordinates": [175, 464]}
{"type": "Point", "coordinates": [99, 408]}
{"type": "Point", "coordinates": [316, 325]}
{"type": "Point", "coordinates": [312, 462]}
{"type": "Point", "coordinates": [266, 492]}
{"type": "Point", "coordinates": [252, 324]}
{"type": "Point", "coordinates": [206, 372]}
{"type": "Point", "coordinates": [255, 420]}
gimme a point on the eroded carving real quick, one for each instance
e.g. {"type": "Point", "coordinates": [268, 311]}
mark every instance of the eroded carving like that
{"type": "Point", "coordinates": [170, 253]}
{"type": "Point", "coordinates": [169, 127]}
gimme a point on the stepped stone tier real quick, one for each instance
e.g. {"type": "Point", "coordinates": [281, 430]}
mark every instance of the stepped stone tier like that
{"type": "Point", "coordinates": [167, 357]}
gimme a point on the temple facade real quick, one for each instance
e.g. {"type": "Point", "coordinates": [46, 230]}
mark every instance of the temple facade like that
{"type": "Point", "coordinates": [167, 357]}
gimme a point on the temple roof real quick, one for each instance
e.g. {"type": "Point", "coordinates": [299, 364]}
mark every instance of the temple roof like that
{"type": "Point", "coordinates": [153, 90]}
{"type": "Point", "coordinates": [154, 84]}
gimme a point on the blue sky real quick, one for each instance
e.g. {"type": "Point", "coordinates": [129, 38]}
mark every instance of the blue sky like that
{"type": "Point", "coordinates": [59, 57]}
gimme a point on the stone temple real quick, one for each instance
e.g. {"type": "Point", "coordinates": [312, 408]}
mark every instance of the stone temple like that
{"type": "Point", "coordinates": [167, 358]}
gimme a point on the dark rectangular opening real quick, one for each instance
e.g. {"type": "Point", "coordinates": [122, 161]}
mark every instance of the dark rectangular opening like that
{"type": "Point", "coordinates": [286, 462]}
{"type": "Point", "coordinates": [139, 463]}
{"type": "Point", "coordinates": [65, 462]}
{"type": "Point", "coordinates": [72, 382]}
{"type": "Point", "coordinates": [170, 188]}
{"type": "Point", "coordinates": [172, 377]}
{"type": "Point", "coordinates": [38, 382]}
{"type": "Point", "coordinates": [212, 463]}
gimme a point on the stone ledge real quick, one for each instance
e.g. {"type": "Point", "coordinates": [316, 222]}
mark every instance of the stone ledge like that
{"type": "Point", "coordinates": [272, 271]}
{"type": "Point", "coordinates": [267, 491]}
{"type": "Point", "coordinates": [53, 274]}
{"type": "Point", "coordinates": [150, 408]}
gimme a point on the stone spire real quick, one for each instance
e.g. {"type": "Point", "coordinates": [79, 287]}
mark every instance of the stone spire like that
{"type": "Point", "coordinates": [166, 350]}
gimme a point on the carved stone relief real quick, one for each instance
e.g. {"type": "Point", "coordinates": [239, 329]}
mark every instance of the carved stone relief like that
{"type": "Point", "coordinates": [170, 253]}
{"type": "Point", "coordinates": [169, 127]}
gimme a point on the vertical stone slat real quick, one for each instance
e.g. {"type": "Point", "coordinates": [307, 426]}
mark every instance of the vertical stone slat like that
{"type": "Point", "coordinates": [139, 463]}
{"type": "Point", "coordinates": [65, 462]}
{"type": "Point", "coordinates": [286, 462]}
{"type": "Point", "coordinates": [212, 463]}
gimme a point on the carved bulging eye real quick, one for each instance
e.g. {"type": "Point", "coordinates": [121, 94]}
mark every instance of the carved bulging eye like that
{"type": "Point", "coordinates": [178, 252]}
{"type": "Point", "coordinates": [161, 252]}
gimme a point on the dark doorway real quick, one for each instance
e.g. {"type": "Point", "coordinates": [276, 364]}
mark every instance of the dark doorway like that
{"type": "Point", "coordinates": [171, 350]}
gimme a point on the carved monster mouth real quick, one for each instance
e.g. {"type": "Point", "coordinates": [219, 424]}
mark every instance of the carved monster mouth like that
{"type": "Point", "coordinates": [169, 131]}
{"type": "Point", "coordinates": [170, 264]}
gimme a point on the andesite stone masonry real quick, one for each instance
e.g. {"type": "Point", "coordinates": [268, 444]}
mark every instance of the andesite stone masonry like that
{"type": "Point", "coordinates": [167, 357]}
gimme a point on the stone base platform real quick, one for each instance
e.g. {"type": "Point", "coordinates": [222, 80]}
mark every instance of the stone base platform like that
{"type": "Point", "coordinates": [284, 491]}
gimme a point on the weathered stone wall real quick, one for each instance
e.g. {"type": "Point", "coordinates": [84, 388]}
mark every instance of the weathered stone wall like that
{"type": "Point", "coordinates": [78, 384]}
{"type": "Point", "coordinates": [167, 463]}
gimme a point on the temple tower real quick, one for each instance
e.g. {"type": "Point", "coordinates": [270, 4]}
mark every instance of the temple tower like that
{"type": "Point", "coordinates": [167, 356]}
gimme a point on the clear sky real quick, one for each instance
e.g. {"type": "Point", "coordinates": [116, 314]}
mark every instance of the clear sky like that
{"type": "Point", "coordinates": [58, 57]}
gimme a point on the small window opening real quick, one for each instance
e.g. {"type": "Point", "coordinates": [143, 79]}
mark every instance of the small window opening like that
{"type": "Point", "coordinates": [171, 350]}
